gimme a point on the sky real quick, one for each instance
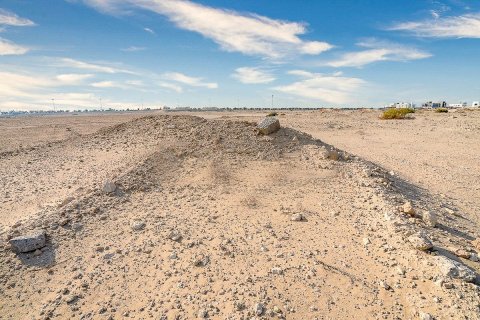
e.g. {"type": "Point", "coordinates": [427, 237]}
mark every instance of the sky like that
{"type": "Point", "coordinates": [70, 54]}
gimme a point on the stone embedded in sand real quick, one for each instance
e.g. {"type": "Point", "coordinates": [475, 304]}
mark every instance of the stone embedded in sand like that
{"type": "Point", "coordinates": [201, 260]}
{"type": "Point", "coordinates": [425, 316]}
{"type": "Point", "coordinates": [462, 253]}
{"type": "Point", "coordinates": [268, 125]}
{"type": "Point", "coordinates": [259, 309]}
{"type": "Point", "coordinates": [420, 242]}
{"type": "Point", "coordinates": [333, 155]}
{"type": "Point", "coordinates": [175, 236]}
{"type": "Point", "coordinates": [297, 217]}
{"type": "Point", "coordinates": [429, 218]}
{"type": "Point", "coordinates": [109, 187]}
{"type": "Point", "coordinates": [454, 269]}
{"type": "Point", "coordinates": [276, 270]}
{"type": "Point", "coordinates": [408, 208]}
{"type": "Point", "coordinates": [30, 242]}
{"type": "Point", "coordinates": [138, 225]}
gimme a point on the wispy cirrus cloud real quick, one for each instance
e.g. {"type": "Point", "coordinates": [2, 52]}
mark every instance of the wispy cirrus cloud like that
{"type": "Point", "coordinates": [133, 49]}
{"type": "Point", "coordinates": [9, 48]}
{"type": "Point", "coordinates": [463, 26]}
{"type": "Point", "coordinates": [334, 89]}
{"type": "Point", "coordinates": [8, 18]}
{"type": "Point", "coordinates": [171, 86]}
{"type": "Point", "coordinates": [96, 67]}
{"type": "Point", "coordinates": [247, 33]}
{"type": "Point", "coordinates": [188, 80]}
{"type": "Point", "coordinates": [378, 51]}
{"type": "Point", "coordinates": [251, 75]}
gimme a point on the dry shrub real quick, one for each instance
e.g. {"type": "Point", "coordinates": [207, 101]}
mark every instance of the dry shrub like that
{"type": "Point", "coordinates": [396, 113]}
{"type": "Point", "coordinates": [441, 110]}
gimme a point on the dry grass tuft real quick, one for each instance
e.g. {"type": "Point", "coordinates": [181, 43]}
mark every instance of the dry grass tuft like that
{"type": "Point", "coordinates": [396, 113]}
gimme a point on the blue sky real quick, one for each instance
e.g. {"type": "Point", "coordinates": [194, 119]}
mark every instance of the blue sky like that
{"type": "Point", "coordinates": [124, 53]}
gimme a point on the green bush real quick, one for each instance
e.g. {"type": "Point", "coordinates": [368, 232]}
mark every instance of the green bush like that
{"type": "Point", "coordinates": [396, 113]}
{"type": "Point", "coordinates": [441, 110]}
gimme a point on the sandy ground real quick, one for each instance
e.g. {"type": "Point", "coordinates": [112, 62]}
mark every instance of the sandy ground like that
{"type": "Point", "coordinates": [203, 222]}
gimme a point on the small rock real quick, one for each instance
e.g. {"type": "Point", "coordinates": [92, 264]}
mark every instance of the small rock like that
{"type": "Point", "coordinates": [109, 187]}
{"type": "Point", "coordinates": [408, 208]}
{"type": "Point", "coordinates": [29, 242]}
{"type": "Point", "coordinates": [268, 125]}
{"type": "Point", "coordinates": [333, 155]}
{"type": "Point", "coordinates": [430, 218]}
{"type": "Point", "coordinates": [259, 309]}
{"type": "Point", "coordinates": [297, 217]}
{"type": "Point", "coordinates": [384, 285]}
{"type": "Point", "coordinates": [175, 236]}
{"type": "Point", "coordinates": [420, 242]}
{"type": "Point", "coordinates": [203, 314]}
{"type": "Point", "coordinates": [201, 260]}
{"type": "Point", "coordinates": [138, 225]}
{"type": "Point", "coordinates": [37, 253]}
{"type": "Point", "coordinates": [366, 241]}
{"type": "Point", "coordinates": [462, 253]}
{"type": "Point", "coordinates": [425, 316]}
{"type": "Point", "coordinates": [276, 270]}
{"type": "Point", "coordinates": [454, 269]}
{"type": "Point", "coordinates": [474, 257]}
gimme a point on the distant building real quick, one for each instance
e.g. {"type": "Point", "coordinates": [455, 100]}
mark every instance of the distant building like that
{"type": "Point", "coordinates": [434, 105]}
{"type": "Point", "coordinates": [458, 105]}
{"type": "Point", "coordinates": [476, 104]}
{"type": "Point", "coordinates": [399, 105]}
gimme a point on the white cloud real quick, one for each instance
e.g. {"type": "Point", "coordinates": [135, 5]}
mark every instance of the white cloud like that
{"type": "Point", "coordinates": [21, 90]}
{"type": "Point", "coordinates": [106, 84]}
{"type": "Point", "coordinates": [73, 78]}
{"type": "Point", "coordinates": [10, 48]}
{"type": "Point", "coordinates": [252, 75]}
{"type": "Point", "coordinates": [378, 51]}
{"type": "Point", "coordinates": [77, 64]}
{"type": "Point", "coordinates": [332, 89]}
{"type": "Point", "coordinates": [191, 81]}
{"type": "Point", "coordinates": [171, 86]}
{"type": "Point", "coordinates": [149, 30]}
{"type": "Point", "coordinates": [8, 18]}
{"type": "Point", "coordinates": [465, 26]}
{"type": "Point", "coordinates": [133, 49]}
{"type": "Point", "coordinates": [246, 33]}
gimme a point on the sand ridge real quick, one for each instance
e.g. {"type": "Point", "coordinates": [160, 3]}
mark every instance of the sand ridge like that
{"type": "Point", "coordinates": [204, 224]}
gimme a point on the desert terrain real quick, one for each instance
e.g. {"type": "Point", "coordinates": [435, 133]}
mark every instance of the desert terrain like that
{"type": "Point", "coordinates": [337, 215]}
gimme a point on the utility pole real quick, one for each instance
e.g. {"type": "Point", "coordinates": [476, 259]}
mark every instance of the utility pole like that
{"type": "Point", "coordinates": [272, 101]}
{"type": "Point", "coordinates": [53, 103]}
{"type": "Point", "coordinates": [101, 106]}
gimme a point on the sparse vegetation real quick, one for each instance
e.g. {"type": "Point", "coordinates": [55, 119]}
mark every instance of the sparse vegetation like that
{"type": "Point", "coordinates": [396, 113]}
{"type": "Point", "coordinates": [441, 110]}
{"type": "Point", "coordinates": [272, 114]}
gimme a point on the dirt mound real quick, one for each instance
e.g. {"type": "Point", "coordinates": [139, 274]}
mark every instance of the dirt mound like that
{"type": "Point", "coordinates": [204, 223]}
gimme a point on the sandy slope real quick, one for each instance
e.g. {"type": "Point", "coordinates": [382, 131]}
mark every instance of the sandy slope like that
{"type": "Point", "coordinates": [201, 226]}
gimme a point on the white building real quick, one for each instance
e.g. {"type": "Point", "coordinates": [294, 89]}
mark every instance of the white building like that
{"type": "Point", "coordinates": [458, 105]}
{"type": "Point", "coordinates": [399, 105]}
{"type": "Point", "coordinates": [476, 104]}
{"type": "Point", "coordinates": [434, 105]}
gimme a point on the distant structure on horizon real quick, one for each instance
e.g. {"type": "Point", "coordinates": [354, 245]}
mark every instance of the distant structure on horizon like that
{"type": "Point", "coordinates": [435, 105]}
{"type": "Point", "coordinates": [476, 104]}
{"type": "Point", "coordinates": [458, 105]}
{"type": "Point", "coordinates": [400, 105]}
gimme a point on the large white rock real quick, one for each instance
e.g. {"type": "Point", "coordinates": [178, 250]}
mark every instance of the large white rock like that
{"type": "Point", "coordinates": [420, 242]}
{"type": "Point", "coordinates": [30, 242]}
{"type": "Point", "coordinates": [268, 125]}
{"type": "Point", "coordinates": [453, 269]}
